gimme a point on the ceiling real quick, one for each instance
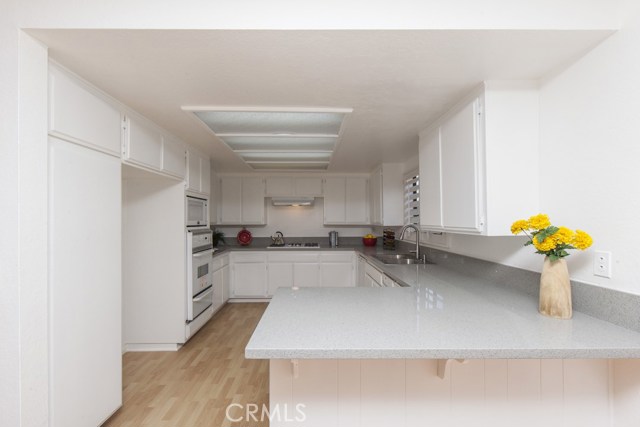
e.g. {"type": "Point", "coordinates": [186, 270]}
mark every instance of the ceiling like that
{"type": "Point", "coordinates": [396, 81]}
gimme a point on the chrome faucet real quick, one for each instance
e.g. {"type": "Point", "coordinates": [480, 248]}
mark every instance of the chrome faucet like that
{"type": "Point", "coordinates": [417, 230]}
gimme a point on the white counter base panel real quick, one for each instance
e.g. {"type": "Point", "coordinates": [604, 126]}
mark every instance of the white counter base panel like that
{"type": "Point", "coordinates": [406, 392]}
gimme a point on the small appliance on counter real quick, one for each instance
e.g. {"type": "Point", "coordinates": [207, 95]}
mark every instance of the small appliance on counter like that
{"type": "Point", "coordinates": [333, 239]}
{"type": "Point", "coordinates": [244, 237]}
{"type": "Point", "coordinates": [277, 239]}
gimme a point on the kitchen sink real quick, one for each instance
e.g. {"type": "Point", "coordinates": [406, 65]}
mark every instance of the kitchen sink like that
{"type": "Point", "coordinates": [399, 259]}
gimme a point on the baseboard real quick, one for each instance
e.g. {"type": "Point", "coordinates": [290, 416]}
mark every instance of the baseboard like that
{"type": "Point", "coordinates": [133, 347]}
{"type": "Point", "coordinates": [240, 300]}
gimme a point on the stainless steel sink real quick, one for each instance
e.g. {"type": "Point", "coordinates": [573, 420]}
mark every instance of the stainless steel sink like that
{"type": "Point", "coordinates": [399, 259]}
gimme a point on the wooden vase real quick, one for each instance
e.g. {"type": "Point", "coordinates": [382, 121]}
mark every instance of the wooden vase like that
{"type": "Point", "coordinates": [555, 289]}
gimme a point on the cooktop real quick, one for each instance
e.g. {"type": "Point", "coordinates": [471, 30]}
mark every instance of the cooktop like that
{"type": "Point", "coordinates": [296, 245]}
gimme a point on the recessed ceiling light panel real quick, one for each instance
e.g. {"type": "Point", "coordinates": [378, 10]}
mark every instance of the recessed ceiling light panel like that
{"type": "Point", "coordinates": [273, 138]}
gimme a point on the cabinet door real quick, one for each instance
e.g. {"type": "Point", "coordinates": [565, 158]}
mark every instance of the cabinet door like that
{"type": "Point", "coordinates": [280, 274]}
{"type": "Point", "coordinates": [279, 186]}
{"type": "Point", "coordinates": [85, 298]}
{"type": "Point", "coordinates": [336, 274]}
{"type": "Point", "coordinates": [75, 112]}
{"type": "Point", "coordinates": [205, 175]}
{"type": "Point", "coordinates": [308, 187]}
{"type": "Point", "coordinates": [459, 154]}
{"type": "Point", "coordinates": [306, 274]}
{"type": "Point", "coordinates": [334, 201]}
{"type": "Point", "coordinates": [218, 288]}
{"type": "Point", "coordinates": [250, 280]}
{"type": "Point", "coordinates": [173, 158]}
{"type": "Point", "coordinates": [226, 282]}
{"type": "Point", "coordinates": [430, 192]}
{"type": "Point", "coordinates": [376, 197]}
{"type": "Point", "coordinates": [194, 173]}
{"type": "Point", "coordinates": [357, 208]}
{"type": "Point", "coordinates": [253, 201]}
{"type": "Point", "coordinates": [143, 143]}
{"type": "Point", "coordinates": [230, 200]}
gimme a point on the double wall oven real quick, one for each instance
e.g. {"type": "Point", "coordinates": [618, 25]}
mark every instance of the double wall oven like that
{"type": "Point", "coordinates": [199, 250]}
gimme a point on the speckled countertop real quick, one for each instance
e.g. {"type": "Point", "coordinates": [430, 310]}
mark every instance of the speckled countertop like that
{"type": "Point", "coordinates": [442, 314]}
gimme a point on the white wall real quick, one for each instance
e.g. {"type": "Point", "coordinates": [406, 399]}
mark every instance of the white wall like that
{"type": "Point", "coordinates": [589, 163]}
{"type": "Point", "coordinates": [296, 221]}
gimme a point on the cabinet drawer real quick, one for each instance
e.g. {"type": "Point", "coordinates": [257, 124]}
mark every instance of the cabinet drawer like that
{"type": "Point", "coordinates": [249, 257]}
{"type": "Point", "coordinates": [291, 256]}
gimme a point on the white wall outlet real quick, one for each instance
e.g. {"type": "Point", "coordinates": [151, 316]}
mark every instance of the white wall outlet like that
{"type": "Point", "coordinates": [602, 264]}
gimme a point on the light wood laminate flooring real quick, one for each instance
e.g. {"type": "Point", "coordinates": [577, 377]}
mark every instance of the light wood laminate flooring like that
{"type": "Point", "coordinates": [193, 386]}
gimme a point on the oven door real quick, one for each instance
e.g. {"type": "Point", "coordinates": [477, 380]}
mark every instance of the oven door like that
{"type": "Point", "coordinates": [197, 212]}
{"type": "Point", "coordinates": [199, 285]}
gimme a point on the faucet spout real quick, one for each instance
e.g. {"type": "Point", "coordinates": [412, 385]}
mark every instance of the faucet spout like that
{"type": "Point", "coordinates": [417, 230]}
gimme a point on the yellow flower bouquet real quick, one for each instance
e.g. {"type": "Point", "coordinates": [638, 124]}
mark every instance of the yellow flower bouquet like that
{"type": "Point", "coordinates": [550, 240]}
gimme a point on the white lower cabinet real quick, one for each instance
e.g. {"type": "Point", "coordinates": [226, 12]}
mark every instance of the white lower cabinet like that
{"type": "Point", "coordinates": [220, 270]}
{"type": "Point", "coordinates": [373, 276]}
{"type": "Point", "coordinates": [337, 269]}
{"type": "Point", "coordinates": [361, 275]}
{"type": "Point", "coordinates": [249, 275]}
{"type": "Point", "coordinates": [260, 274]}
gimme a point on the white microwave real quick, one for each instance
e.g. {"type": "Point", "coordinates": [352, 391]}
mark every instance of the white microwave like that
{"type": "Point", "coordinates": [197, 212]}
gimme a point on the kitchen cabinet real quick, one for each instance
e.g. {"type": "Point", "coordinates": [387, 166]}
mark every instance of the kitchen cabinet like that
{"type": "Point", "coordinates": [337, 269]}
{"type": "Point", "coordinates": [148, 146]}
{"type": "Point", "coordinates": [471, 179]}
{"type": "Point", "coordinates": [220, 269]}
{"type": "Point", "coordinates": [387, 195]}
{"type": "Point", "coordinates": [174, 157]}
{"type": "Point", "coordinates": [242, 201]}
{"type": "Point", "coordinates": [345, 200]}
{"type": "Point", "coordinates": [81, 114]}
{"type": "Point", "coordinates": [360, 271]}
{"type": "Point", "coordinates": [85, 285]}
{"type": "Point", "coordinates": [287, 269]}
{"type": "Point", "coordinates": [373, 276]}
{"type": "Point", "coordinates": [142, 142]}
{"type": "Point", "coordinates": [278, 186]}
{"type": "Point", "coordinates": [249, 275]}
{"type": "Point", "coordinates": [198, 173]}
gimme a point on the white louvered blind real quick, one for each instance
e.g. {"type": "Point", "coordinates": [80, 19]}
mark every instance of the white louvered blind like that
{"type": "Point", "coordinates": [412, 198]}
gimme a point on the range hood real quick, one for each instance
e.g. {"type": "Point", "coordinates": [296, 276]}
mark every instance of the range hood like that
{"type": "Point", "coordinates": [292, 201]}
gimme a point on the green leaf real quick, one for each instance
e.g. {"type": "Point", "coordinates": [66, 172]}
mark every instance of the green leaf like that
{"type": "Point", "coordinates": [553, 257]}
{"type": "Point", "coordinates": [529, 242]}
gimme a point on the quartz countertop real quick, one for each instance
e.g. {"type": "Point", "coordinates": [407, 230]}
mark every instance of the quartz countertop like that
{"type": "Point", "coordinates": [442, 314]}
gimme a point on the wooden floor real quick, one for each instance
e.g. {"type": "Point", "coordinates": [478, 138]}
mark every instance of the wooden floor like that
{"type": "Point", "coordinates": [194, 386]}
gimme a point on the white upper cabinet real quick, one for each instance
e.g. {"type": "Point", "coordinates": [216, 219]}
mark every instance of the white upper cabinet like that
{"type": "Point", "coordinates": [472, 174]}
{"type": "Point", "coordinates": [279, 186]}
{"type": "Point", "coordinates": [142, 142]}
{"type": "Point", "coordinates": [174, 157]}
{"type": "Point", "coordinates": [198, 173]}
{"type": "Point", "coordinates": [387, 192]}
{"type": "Point", "coordinates": [79, 113]}
{"type": "Point", "coordinates": [345, 200]}
{"type": "Point", "coordinates": [241, 201]}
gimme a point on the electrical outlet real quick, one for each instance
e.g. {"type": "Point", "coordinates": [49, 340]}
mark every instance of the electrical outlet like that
{"type": "Point", "coordinates": [602, 264]}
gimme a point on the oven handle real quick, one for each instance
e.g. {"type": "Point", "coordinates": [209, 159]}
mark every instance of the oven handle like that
{"type": "Point", "coordinates": [203, 296]}
{"type": "Point", "coordinates": [203, 253]}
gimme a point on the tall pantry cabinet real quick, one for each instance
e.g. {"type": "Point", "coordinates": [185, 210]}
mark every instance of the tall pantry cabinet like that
{"type": "Point", "coordinates": [84, 214]}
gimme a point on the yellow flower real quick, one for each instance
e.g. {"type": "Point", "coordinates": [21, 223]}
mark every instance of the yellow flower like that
{"type": "Point", "coordinates": [519, 226]}
{"type": "Point", "coordinates": [538, 222]}
{"type": "Point", "coordinates": [546, 245]}
{"type": "Point", "coordinates": [563, 236]}
{"type": "Point", "coordinates": [582, 240]}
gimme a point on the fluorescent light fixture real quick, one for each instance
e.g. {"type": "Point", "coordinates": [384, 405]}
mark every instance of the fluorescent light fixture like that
{"type": "Point", "coordinates": [277, 138]}
{"type": "Point", "coordinates": [288, 143]}
{"type": "Point", "coordinates": [266, 156]}
{"type": "Point", "coordinates": [272, 122]}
